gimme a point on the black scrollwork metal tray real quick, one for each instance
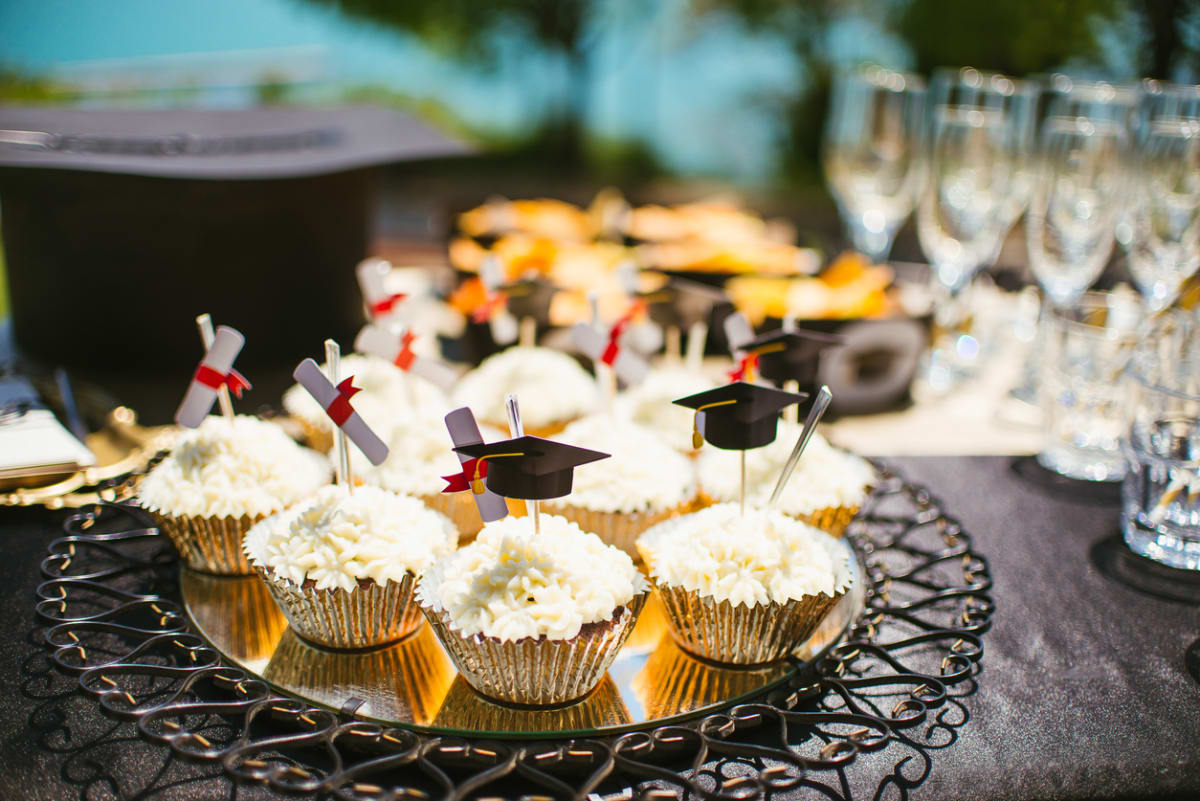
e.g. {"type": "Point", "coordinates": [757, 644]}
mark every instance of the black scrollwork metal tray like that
{"type": "Point", "coordinates": [148, 642]}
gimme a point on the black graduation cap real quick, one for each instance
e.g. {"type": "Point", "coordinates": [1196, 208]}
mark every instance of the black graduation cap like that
{"type": "Point", "coordinates": [790, 355]}
{"type": "Point", "coordinates": [530, 467]}
{"type": "Point", "coordinates": [235, 212]}
{"type": "Point", "coordinates": [739, 416]}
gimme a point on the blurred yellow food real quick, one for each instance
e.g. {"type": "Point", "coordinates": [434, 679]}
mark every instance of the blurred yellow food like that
{"type": "Point", "coordinates": [850, 287]}
{"type": "Point", "coordinates": [540, 217]}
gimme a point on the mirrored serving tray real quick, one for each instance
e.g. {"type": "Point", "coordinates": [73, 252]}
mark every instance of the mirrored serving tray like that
{"type": "Point", "coordinates": [413, 683]}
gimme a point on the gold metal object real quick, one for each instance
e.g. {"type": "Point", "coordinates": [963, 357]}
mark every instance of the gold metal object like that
{"type": "Point", "coordinates": [207, 543]}
{"type": "Point", "coordinates": [122, 448]}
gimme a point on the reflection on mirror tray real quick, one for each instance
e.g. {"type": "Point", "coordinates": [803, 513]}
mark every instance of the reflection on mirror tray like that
{"type": "Point", "coordinates": [463, 709]}
{"type": "Point", "coordinates": [413, 683]}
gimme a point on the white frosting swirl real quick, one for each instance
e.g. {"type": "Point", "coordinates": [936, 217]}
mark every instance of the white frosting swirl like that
{"type": "Point", "coordinates": [642, 475]}
{"type": "Point", "coordinates": [385, 402]}
{"type": "Point", "coordinates": [337, 538]}
{"type": "Point", "coordinates": [825, 477]}
{"type": "Point", "coordinates": [227, 468]}
{"type": "Point", "coordinates": [511, 583]}
{"type": "Point", "coordinates": [550, 385]}
{"type": "Point", "coordinates": [758, 558]}
{"type": "Point", "coordinates": [650, 404]}
{"type": "Point", "coordinates": [418, 457]}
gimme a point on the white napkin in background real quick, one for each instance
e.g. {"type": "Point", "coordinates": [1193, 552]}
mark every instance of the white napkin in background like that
{"type": "Point", "coordinates": [34, 442]}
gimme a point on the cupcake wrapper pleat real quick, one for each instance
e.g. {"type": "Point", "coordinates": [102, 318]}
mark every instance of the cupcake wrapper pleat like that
{"type": "Point", "coordinates": [617, 528]}
{"type": "Point", "coordinates": [537, 671]}
{"type": "Point", "coordinates": [742, 635]}
{"type": "Point", "coordinates": [207, 544]}
{"type": "Point", "coordinates": [369, 615]}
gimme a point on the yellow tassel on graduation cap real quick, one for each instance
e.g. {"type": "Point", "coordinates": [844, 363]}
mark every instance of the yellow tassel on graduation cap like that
{"type": "Point", "coordinates": [477, 485]}
{"type": "Point", "coordinates": [697, 437]}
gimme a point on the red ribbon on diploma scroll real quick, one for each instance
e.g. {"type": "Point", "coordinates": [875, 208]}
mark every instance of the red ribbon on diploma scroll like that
{"type": "Point", "coordinates": [404, 359]}
{"type": "Point", "coordinates": [340, 410]}
{"type": "Point", "coordinates": [745, 369]}
{"type": "Point", "coordinates": [215, 379]}
{"type": "Point", "coordinates": [461, 482]}
{"type": "Point", "coordinates": [387, 304]}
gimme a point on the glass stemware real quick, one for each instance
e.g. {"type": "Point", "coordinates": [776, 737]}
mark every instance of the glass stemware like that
{"type": "Point", "coordinates": [871, 154]}
{"type": "Point", "coordinates": [1160, 229]}
{"type": "Point", "coordinates": [1073, 211]}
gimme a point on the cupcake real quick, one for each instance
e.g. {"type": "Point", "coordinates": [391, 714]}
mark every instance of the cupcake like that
{"type": "Point", "coordinates": [553, 388]}
{"type": "Point", "coordinates": [386, 400]}
{"type": "Point", "coordinates": [826, 491]}
{"type": "Point", "coordinates": [418, 456]}
{"type": "Point", "coordinates": [644, 483]}
{"type": "Point", "coordinates": [342, 566]}
{"type": "Point", "coordinates": [219, 480]}
{"type": "Point", "coordinates": [650, 404]}
{"type": "Point", "coordinates": [533, 618]}
{"type": "Point", "coordinates": [743, 589]}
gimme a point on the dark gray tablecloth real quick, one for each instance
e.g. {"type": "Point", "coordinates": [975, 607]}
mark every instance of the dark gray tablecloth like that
{"type": "Point", "coordinates": [1083, 692]}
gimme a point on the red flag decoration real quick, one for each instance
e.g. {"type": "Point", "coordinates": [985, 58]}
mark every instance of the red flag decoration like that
{"type": "Point", "coordinates": [339, 409]}
{"type": "Point", "coordinates": [215, 371]}
{"type": "Point", "coordinates": [214, 379]}
{"type": "Point", "coordinates": [747, 366]}
{"type": "Point", "coordinates": [462, 481]}
{"type": "Point", "coordinates": [628, 365]}
{"type": "Point", "coordinates": [379, 301]}
{"type": "Point", "coordinates": [383, 307]}
{"type": "Point", "coordinates": [396, 347]}
{"type": "Point", "coordinates": [336, 403]}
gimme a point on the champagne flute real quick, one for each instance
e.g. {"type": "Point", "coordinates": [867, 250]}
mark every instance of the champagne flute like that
{"type": "Point", "coordinates": [871, 154]}
{"type": "Point", "coordinates": [960, 219]}
{"type": "Point", "coordinates": [1163, 244]}
{"type": "Point", "coordinates": [1074, 208]}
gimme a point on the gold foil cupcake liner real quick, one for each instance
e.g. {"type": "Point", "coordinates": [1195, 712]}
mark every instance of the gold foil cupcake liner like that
{"type": "Point", "coordinates": [467, 710]}
{"type": "Point", "coordinates": [369, 615]}
{"type": "Point", "coordinates": [617, 528]}
{"type": "Point", "coordinates": [830, 519]}
{"type": "Point", "coordinates": [537, 671]}
{"type": "Point", "coordinates": [405, 681]}
{"type": "Point", "coordinates": [208, 544]}
{"type": "Point", "coordinates": [739, 634]}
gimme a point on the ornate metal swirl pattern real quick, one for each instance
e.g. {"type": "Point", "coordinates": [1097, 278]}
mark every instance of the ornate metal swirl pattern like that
{"type": "Point", "coordinates": [110, 601]}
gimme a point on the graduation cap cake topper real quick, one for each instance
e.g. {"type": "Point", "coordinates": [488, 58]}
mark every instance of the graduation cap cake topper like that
{"type": "Point", "coordinates": [738, 416]}
{"type": "Point", "coordinates": [527, 467]}
{"type": "Point", "coordinates": [790, 355]}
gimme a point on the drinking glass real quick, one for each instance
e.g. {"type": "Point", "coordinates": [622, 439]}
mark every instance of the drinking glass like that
{"type": "Point", "coordinates": [960, 221]}
{"type": "Point", "coordinates": [1081, 175]}
{"type": "Point", "coordinates": [1084, 347]}
{"type": "Point", "coordinates": [1016, 100]}
{"type": "Point", "coordinates": [1160, 497]}
{"type": "Point", "coordinates": [871, 154]}
{"type": "Point", "coordinates": [1163, 240]}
